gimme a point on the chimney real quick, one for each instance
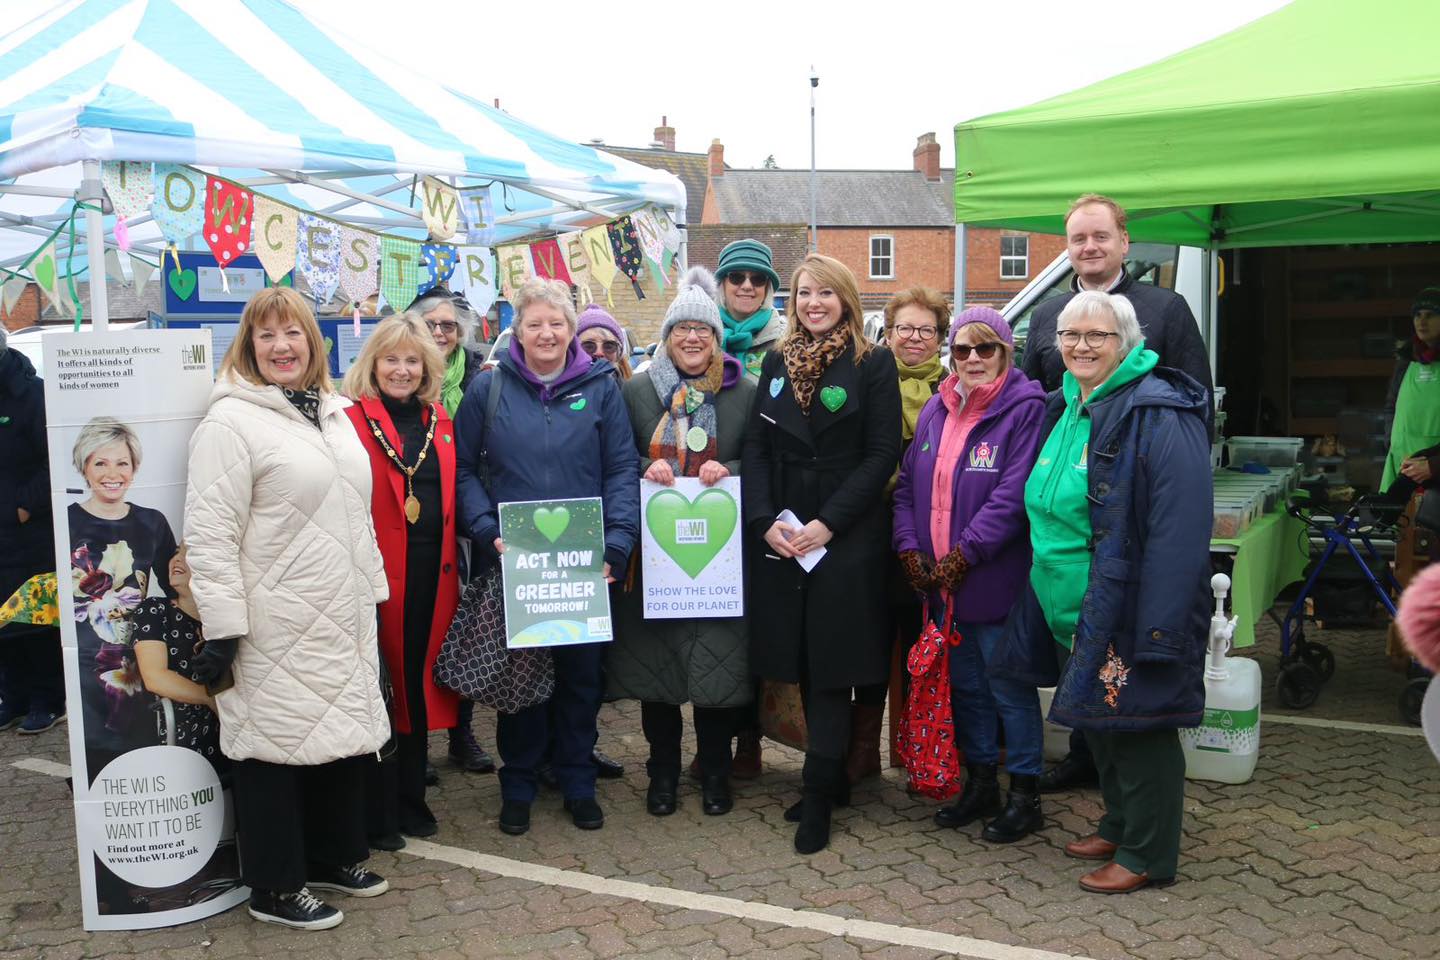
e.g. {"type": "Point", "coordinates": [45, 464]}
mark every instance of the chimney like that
{"type": "Point", "coordinates": [665, 135]}
{"type": "Point", "coordinates": [927, 156]}
{"type": "Point", "coordinates": [717, 158]}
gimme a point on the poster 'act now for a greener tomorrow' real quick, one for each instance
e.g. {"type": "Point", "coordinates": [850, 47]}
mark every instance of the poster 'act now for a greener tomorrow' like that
{"type": "Point", "coordinates": [554, 573]}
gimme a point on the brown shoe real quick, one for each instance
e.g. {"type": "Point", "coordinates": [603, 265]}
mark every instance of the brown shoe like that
{"type": "Point", "coordinates": [747, 756]}
{"type": "Point", "coordinates": [1093, 847]}
{"type": "Point", "coordinates": [1113, 878]}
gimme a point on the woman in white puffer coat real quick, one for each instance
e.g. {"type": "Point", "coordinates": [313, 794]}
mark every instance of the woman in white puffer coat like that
{"type": "Point", "coordinates": [286, 574]}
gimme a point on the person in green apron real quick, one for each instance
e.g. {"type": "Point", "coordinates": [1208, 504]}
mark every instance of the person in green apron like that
{"type": "Point", "coordinates": [1414, 402]}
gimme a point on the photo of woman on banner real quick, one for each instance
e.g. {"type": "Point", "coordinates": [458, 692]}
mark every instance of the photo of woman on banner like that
{"type": "Point", "coordinates": [119, 555]}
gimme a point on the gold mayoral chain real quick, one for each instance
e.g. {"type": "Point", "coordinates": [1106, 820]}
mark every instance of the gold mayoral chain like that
{"type": "Point", "coordinates": [412, 505]}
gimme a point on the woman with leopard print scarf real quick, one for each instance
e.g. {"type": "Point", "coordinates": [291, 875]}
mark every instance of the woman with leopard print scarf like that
{"type": "Point", "coordinates": [823, 441]}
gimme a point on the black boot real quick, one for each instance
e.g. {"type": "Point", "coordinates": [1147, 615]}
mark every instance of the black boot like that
{"type": "Point", "coordinates": [820, 779]}
{"type": "Point", "coordinates": [980, 797]}
{"type": "Point", "coordinates": [1022, 815]}
{"type": "Point", "coordinates": [840, 798]}
{"type": "Point", "coordinates": [1076, 770]}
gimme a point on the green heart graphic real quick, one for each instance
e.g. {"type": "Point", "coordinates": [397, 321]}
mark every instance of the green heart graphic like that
{"type": "Point", "coordinates": [183, 282]}
{"type": "Point", "coordinates": [833, 398]}
{"type": "Point", "coordinates": [550, 522]}
{"type": "Point", "coordinates": [578, 404]}
{"type": "Point", "coordinates": [45, 271]}
{"type": "Point", "coordinates": [668, 508]}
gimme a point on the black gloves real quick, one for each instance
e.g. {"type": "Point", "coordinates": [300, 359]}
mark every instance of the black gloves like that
{"type": "Point", "coordinates": [214, 659]}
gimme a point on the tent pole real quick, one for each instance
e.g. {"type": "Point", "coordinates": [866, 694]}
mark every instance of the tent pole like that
{"type": "Point", "coordinates": [960, 240]}
{"type": "Point", "coordinates": [1212, 305]}
{"type": "Point", "coordinates": [93, 193]}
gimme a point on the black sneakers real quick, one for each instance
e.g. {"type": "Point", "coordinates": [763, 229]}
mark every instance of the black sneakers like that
{"type": "Point", "coordinates": [354, 880]}
{"type": "Point", "coordinates": [585, 813]}
{"type": "Point", "coordinates": [301, 910]}
{"type": "Point", "coordinates": [514, 817]}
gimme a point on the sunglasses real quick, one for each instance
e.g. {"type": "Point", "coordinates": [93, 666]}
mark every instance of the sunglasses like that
{"type": "Point", "coordinates": [738, 277]}
{"type": "Point", "coordinates": [982, 350]}
{"type": "Point", "coordinates": [444, 326]}
{"type": "Point", "coordinates": [611, 348]}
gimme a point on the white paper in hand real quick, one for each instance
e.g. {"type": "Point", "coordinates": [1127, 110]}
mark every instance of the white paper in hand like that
{"type": "Point", "coordinates": [807, 561]}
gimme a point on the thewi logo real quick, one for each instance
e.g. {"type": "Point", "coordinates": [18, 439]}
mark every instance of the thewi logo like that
{"type": "Point", "coordinates": [983, 454]}
{"type": "Point", "coordinates": [192, 356]}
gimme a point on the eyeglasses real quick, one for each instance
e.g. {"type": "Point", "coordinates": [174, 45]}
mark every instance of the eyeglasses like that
{"type": "Point", "coordinates": [924, 333]}
{"type": "Point", "coordinates": [702, 331]}
{"type": "Point", "coordinates": [611, 348]}
{"type": "Point", "coordinates": [982, 350]}
{"type": "Point", "coordinates": [1094, 339]}
{"type": "Point", "coordinates": [738, 277]}
{"type": "Point", "coordinates": [446, 327]}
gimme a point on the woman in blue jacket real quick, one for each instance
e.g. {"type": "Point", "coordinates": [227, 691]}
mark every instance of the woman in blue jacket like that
{"type": "Point", "coordinates": [560, 431]}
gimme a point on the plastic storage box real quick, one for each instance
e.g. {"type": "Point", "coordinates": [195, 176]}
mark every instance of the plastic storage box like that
{"type": "Point", "coordinates": [1266, 451]}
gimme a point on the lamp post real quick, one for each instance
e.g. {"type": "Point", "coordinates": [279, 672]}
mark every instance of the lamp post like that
{"type": "Point", "coordinates": [814, 233]}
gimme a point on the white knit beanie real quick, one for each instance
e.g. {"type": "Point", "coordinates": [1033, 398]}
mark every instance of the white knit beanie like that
{"type": "Point", "coordinates": [695, 302]}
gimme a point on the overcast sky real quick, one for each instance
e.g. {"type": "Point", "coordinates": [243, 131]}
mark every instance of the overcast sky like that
{"type": "Point", "coordinates": [738, 71]}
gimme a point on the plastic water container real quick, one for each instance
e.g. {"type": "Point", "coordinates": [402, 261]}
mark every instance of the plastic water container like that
{"type": "Point", "coordinates": [1057, 737]}
{"type": "Point", "coordinates": [1226, 745]}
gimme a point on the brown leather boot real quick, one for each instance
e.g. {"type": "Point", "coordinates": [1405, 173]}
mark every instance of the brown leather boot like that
{"type": "Point", "coordinates": [862, 761]}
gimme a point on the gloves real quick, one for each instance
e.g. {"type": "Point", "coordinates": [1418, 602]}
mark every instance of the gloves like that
{"type": "Point", "coordinates": [919, 570]}
{"type": "Point", "coordinates": [951, 570]}
{"type": "Point", "coordinates": [214, 659]}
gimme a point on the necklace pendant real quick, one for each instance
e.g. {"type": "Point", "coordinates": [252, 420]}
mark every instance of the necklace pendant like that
{"type": "Point", "coordinates": [412, 508]}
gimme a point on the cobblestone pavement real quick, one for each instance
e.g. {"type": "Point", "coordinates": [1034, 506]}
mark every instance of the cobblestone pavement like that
{"type": "Point", "coordinates": [1333, 851]}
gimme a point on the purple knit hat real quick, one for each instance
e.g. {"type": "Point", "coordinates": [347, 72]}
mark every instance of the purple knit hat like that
{"type": "Point", "coordinates": [596, 316]}
{"type": "Point", "coordinates": [988, 316]}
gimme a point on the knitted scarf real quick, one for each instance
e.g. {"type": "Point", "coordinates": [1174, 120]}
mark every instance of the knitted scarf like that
{"type": "Point", "coordinates": [685, 435]}
{"type": "Point", "coordinates": [450, 392]}
{"type": "Point", "coordinates": [807, 357]}
{"type": "Point", "coordinates": [917, 386]}
{"type": "Point", "coordinates": [740, 334]}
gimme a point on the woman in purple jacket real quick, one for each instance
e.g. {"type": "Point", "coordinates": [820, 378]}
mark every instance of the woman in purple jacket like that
{"type": "Point", "coordinates": [960, 533]}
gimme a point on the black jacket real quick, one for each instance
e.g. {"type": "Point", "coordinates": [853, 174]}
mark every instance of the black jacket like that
{"type": "Point", "coordinates": [832, 466]}
{"type": "Point", "coordinates": [1165, 319]}
{"type": "Point", "coordinates": [24, 475]}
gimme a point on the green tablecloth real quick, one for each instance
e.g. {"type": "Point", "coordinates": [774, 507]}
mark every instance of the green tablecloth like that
{"type": "Point", "coordinates": [1269, 556]}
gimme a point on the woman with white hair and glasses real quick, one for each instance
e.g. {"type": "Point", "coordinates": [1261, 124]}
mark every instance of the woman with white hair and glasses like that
{"type": "Point", "coordinates": [1115, 614]}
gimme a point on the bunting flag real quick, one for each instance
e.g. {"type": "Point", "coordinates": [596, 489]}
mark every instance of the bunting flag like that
{"type": "Point", "coordinates": [438, 259]}
{"type": "Point", "coordinates": [670, 235]}
{"type": "Point", "coordinates": [131, 188]}
{"type": "Point", "coordinates": [549, 261]}
{"type": "Point", "coordinates": [179, 204]}
{"type": "Point", "coordinates": [13, 290]}
{"type": "Point", "coordinates": [577, 265]}
{"type": "Point", "coordinates": [45, 268]}
{"type": "Point", "coordinates": [440, 208]}
{"type": "Point", "coordinates": [515, 267]}
{"type": "Point", "coordinates": [275, 227]}
{"type": "Point", "coordinates": [117, 267]}
{"type": "Point", "coordinates": [598, 251]}
{"type": "Point", "coordinates": [399, 271]}
{"type": "Point", "coordinates": [474, 277]}
{"type": "Point", "coordinates": [477, 211]}
{"type": "Point", "coordinates": [652, 244]}
{"type": "Point", "coordinates": [143, 271]}
{"type": "Point", "coordinates": [628, 258]}
{"type": "Point", "coordinates": [317, 256]}
{"type": "Point", "coordinates": [229, 217]}
{"type": "Point", "coordinates": [359, 263]}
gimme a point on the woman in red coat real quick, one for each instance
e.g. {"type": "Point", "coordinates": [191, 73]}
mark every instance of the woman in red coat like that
{"type": "Point", "coordinates": [395, 384]}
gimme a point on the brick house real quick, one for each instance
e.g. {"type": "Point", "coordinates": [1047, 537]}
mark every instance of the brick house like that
{"type": "Point", "coordinates": [893, 228]}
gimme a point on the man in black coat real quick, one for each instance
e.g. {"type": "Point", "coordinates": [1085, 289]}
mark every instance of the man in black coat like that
{"type": "Point", "coordinates": [32, 679]}
{"type": "Point", "coordinates": [1097, 243]}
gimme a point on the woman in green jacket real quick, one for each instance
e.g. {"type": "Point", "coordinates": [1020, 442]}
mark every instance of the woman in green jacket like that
{"type": "Point", "coordinates": [1414, 403]}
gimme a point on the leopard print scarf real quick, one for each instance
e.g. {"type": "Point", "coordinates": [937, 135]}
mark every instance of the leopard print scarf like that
{"type": "Point", "coordinates": [807, 357]}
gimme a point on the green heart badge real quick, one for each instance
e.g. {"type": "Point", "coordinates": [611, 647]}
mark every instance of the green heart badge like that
{"type": "Point", "coordinates": [183, 282]}
{"type": "Point", "coordinates": [45, 271]}
{"type": "Point", "coordinates": [551, 523]}
{"type": "Point", "coordinates": [578, 404]}
{"type": "Point", "coordinates": [691, 532]}
{"type": "Point", "coordinates": [833, 398]}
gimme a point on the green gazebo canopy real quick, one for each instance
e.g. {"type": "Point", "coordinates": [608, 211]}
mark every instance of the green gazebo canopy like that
{"type": "Point", "coordinates": [1319, 123]}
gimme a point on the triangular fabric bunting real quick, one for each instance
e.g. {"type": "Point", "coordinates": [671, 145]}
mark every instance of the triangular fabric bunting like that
{"type": "Point", "coordinates": [317, 256]}
{"type": "Point", "coordinates": [515, 267]}
{"type": "Point", "coordinates": [359, 263]}
{"type": "Point", "coordinates": [600, 253]}
{"type": "Point", "coordinates": [131, 188]}
{"type": "Point", "coordinates": [12, 291]}
{"type": "Point", "coordinates": [474, 278]}
{"type": "Point", "coordinates": [550, 261]}
{"type": "Point", "coordinates": [44, 266]}
{"type": "Point", "coordinates": [577, 265]}
{"type": "Point", "coordinates": [627, 252]}
{"type": "Point", "coordinates": [143, 272]}
{"type": "Point", "coordinates": [275, 227]}
{"type": "Point", "coordinates": [399, 271]}
{"type": "Point", "coordinates": [477, 212]}
{"type": "Point", "coordinates": [440, 208]}
{"type": "Point", "coordinates": [229, 218]}
{"type": "Point", "coordinates": [179, 204]}
{"type": "Point", "coordinates": [438, 259]}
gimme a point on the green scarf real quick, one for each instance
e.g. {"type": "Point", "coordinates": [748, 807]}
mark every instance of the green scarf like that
{"type": "Point", "coordinates": [740, 334]}
{"type": "Point", "coordinates": [450, 392]}
{"type": "Point", "coordinates": [917, 386]}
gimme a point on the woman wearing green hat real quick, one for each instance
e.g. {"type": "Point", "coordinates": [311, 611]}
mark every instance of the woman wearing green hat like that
{"type": "Point", "coordinates": [1414, 403]}
{"type": "Point", "coordinates": [748, 282]}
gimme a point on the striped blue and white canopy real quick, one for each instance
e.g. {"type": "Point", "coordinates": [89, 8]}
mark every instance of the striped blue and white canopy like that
{"type": "Point", "coordinates": [243, 86]}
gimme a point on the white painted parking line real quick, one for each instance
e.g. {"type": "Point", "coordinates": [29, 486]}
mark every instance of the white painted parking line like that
{"type": "Point", "coordinates": [48, 767]}
{"type": "Point", "coordinates": [963, 947]}
{"type": "Point", "coordinates": [1391, 729]}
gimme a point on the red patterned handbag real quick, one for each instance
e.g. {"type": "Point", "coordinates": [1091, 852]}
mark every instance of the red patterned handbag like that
{"type": "Point", "coordinates": [927, 732]}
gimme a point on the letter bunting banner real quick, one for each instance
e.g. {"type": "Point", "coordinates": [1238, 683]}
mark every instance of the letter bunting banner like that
{"type": "Point", "coordinates": [275, 225]}
{"type": "Point", "coordinates": [399, 271]}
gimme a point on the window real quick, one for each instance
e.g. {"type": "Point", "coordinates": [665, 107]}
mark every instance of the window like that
{"type": "Point", "coordinates": [882, 258]}
{"type": "Point", "coordinates": [1014, 258]}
